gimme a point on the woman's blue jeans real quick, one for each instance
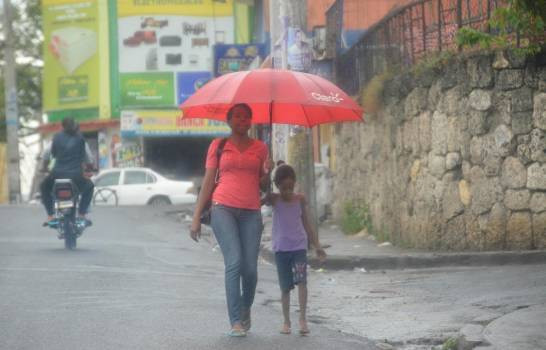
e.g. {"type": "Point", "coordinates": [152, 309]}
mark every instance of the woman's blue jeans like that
{"type": "Point", "coordinates": [238, 232]}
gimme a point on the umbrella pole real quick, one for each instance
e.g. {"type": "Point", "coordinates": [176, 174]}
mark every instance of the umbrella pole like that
{"type": "Point", "coordinates": [271, 129]}
{"type": "Point", "coordinates": [270, 141]}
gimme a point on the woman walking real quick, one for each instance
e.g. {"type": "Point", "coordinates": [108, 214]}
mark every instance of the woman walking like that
{"type": "Point", "coordinates": [243, 166]}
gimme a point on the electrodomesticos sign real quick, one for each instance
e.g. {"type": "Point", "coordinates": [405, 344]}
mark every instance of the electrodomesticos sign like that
{"type": "Point", "coordinates": [168, 37]}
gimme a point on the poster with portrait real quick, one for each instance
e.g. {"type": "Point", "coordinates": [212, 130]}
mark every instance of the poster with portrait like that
{"type": "Point", "coordinates": [299, 50]}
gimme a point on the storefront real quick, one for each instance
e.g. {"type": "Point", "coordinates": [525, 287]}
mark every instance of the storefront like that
{"type": "Point", "coordinates": [173, 146]}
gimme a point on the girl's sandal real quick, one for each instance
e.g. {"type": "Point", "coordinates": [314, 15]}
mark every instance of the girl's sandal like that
{"type": "Point", "coordinates": [304, 330]}
{"type": "Point", "coordinates": [285, 329]}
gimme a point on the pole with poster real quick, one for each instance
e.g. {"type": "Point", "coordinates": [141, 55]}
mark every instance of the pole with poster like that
{"type": "Point", "coordinates": [290, 50]}
{"type": "Point", "coordinates": [12, 112]}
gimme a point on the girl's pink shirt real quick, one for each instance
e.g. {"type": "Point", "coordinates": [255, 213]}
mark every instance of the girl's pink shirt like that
{"type": "Point", "coordinates": [240, 173]}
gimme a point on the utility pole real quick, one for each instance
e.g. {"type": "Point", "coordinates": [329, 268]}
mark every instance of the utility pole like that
{"type": "Point", "coordinates": [292, 144]}
{"type": "Point", "coordinates": [12, 113]}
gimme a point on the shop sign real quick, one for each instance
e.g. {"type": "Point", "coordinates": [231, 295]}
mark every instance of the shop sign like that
{"type": "Point", "coordinates": [170, 37]}
{"type": "Point", "coordinates": [148, 89]}
{"type": "Point", "coordinates": [71, 54]}
{"type": "Point", "coordinates": [234, 58]}
{"type": "Point", "coordinates": [168, 123]}
{"type": "Point", "coordinates": [190, 82]}
{"type": "Point", "coordinates": [198, 8]}
{"type": "Point", "coordinates": [128, 154]}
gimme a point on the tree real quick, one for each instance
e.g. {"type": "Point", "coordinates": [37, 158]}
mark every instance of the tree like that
{"type": "Point", "coordinates": [27, 31]}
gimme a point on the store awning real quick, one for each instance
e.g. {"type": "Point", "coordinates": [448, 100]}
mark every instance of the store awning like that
{"type": "Point", "coordinates": [91, 125]}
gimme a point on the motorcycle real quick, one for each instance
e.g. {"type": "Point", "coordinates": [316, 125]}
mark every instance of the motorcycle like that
{"type": "Point", "coordinates": [69, 226]}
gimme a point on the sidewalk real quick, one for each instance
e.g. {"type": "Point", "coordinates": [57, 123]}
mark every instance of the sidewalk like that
{"type": "Point", "coordinates": [521, 329]}
{"type": "Point", "coordinates": [520, 325]}
{"type": "Point", "coordinates": [350, 252]}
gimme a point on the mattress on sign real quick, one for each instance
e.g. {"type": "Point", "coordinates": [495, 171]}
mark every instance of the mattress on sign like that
{"type": "Point", "coordinates": [73, 46]}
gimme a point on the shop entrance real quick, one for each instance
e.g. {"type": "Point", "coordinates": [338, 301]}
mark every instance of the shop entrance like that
{"type": "Point", "coordinates": [177, 158]}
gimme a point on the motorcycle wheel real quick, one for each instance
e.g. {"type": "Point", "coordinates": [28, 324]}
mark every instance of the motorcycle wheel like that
{"type": "Point", "coordinates": [69, 234]}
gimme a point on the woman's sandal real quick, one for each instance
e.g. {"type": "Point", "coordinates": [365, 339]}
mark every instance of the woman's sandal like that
{"type": "Point", "coordinates": [237, 333]}
{"type": "Point", "coordinates": [285, 329]}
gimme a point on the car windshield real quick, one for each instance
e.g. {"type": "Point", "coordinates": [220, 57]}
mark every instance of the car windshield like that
{"type": "Point", "coordinates": [109, 179]}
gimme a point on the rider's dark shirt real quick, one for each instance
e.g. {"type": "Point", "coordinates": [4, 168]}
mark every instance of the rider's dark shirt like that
{"type": "Point", "coordinates": [69, 153]}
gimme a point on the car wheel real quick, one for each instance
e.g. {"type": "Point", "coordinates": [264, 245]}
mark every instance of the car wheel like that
{"type": "Point", "coordinates": [160, 202]}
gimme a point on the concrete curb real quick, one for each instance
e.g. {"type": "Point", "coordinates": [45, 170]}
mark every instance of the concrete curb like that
{"type": "Point", "coordinates": [413, 260]}
{"type": "Point", "coordinates": [416, 261]}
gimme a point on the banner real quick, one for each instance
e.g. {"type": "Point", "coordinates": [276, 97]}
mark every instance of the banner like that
{"type": "Point", "coordinates": [170, 37]}
{"type": "Point", "coordinates": [168, 123]}
{"type": "Point", "coordinates": [190, 82]}
{"type": "Point", "coordinates": [147, 89]}
{"type": "Point", "coordinates": [234, 58]}
{"type": "Point", "coordinates": [205, 8]}
{"type": "Point", "coordinates": [71, 54]}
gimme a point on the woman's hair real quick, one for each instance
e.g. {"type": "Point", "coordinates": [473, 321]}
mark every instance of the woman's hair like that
{"type": "Point", "coordinates": [70, 126]}
{"type": "Point", "coordinates": [238, 105]}
{"type": "Point", "coordinates": [283, 172]}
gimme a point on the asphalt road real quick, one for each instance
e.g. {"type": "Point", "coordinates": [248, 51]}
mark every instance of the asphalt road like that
{"type": "Point", "coordinates": [135, 281]}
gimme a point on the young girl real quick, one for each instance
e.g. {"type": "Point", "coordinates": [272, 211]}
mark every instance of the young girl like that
{"type": "Point", "coordinates": [291, 230]}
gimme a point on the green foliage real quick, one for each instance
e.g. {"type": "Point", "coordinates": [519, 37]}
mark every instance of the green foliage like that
{"type": "Point", "coordinates": [432, 61]}
{"type": "Point", "coordinates": [28, 38]}
{"type": "Point", "coordinates": [372, 94]}
{"type": "Point", "coordinates": [382, 235]}
{"type": "Point", "coordinates": [525, 17]}
{"type": "Point", "coordinates": [467, 36]}
{"type": "Point", "coordinates": [450, 344]}
{"type": "Point", "coordinates": [356, 216]}
{"type": "Point", "coordinates": [536, 7]}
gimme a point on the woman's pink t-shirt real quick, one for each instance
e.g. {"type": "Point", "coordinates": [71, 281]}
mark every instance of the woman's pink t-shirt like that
{"type": "Point", "coordinates": [240, 173]}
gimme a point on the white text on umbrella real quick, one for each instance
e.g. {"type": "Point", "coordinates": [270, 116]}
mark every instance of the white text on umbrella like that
{"type": "Point", "coordinates": [324, 98]}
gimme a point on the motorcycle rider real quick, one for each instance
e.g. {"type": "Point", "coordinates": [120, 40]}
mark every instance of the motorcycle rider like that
{"type": "Point", "coordinates": [72, 157]}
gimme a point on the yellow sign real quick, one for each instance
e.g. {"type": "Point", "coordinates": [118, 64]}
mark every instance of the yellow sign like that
{"type": "Point", "coordinates": [208, 8]}
{"type": "Point", "coordinates": [71, 55]}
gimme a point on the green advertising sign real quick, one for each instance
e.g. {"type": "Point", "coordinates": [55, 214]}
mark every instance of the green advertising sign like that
{"type": "Point", "coordinates": [73, 89]}
{"type": "Point", "coordinates": [71, 58]}
{"type": "Point", "coordinates": [147, 89]}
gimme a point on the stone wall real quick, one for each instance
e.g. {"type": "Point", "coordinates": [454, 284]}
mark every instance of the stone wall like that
{"type": "Point", "coordinates": [456, 158]}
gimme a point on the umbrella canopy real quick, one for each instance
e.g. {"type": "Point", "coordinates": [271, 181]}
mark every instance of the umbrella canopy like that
{"type": "Point", "coordinates": [275, 96]}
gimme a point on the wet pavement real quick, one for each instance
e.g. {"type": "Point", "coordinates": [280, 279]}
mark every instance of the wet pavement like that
{"type": "Point", "coordinates": [135, 281]}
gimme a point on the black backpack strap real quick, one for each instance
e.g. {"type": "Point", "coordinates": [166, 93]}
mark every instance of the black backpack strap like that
{"type": "Point", "coordinates": [219, 152]}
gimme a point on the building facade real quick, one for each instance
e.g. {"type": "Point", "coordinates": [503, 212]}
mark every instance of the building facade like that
{"type": "Point", "coordinates": [122, 68]}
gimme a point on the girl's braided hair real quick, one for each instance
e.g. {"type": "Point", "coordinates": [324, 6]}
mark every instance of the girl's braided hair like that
{"type": "Point", "coordinates": [283, 172]}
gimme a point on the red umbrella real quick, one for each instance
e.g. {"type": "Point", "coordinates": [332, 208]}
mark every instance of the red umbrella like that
{"type": "Point", "coordinates": [275, 96]}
